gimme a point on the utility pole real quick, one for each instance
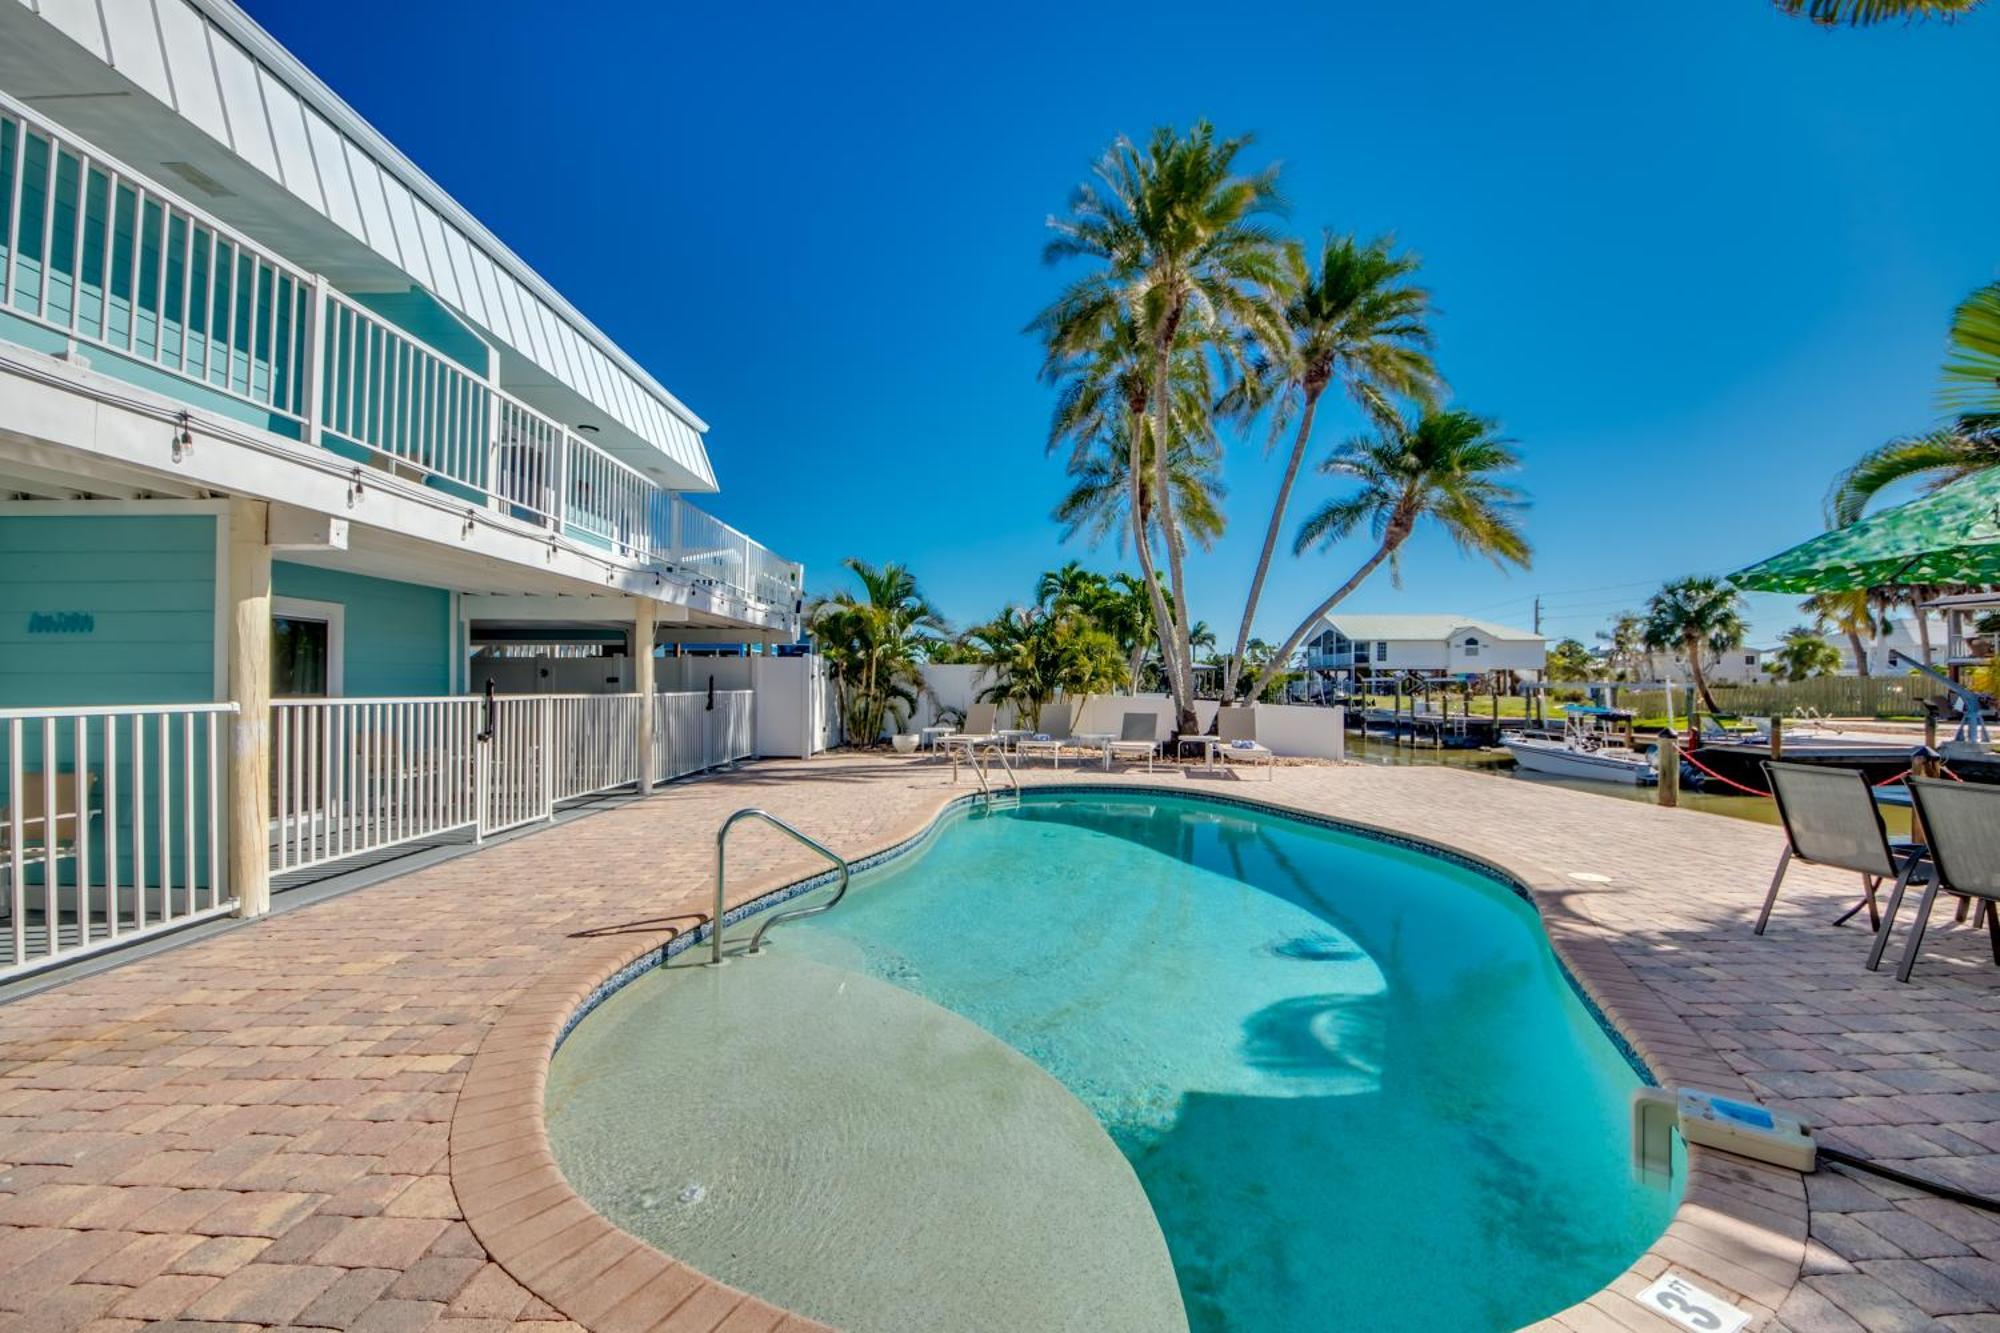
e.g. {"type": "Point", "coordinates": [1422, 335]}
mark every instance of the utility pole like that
{"type": "Point", "coordinates": [1538, 613]}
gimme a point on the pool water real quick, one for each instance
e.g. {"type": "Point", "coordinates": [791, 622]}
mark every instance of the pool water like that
{"type": "Point", "coordinates": [1350, 1077]}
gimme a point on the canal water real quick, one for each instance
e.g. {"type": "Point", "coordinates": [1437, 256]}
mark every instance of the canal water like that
{"type": "Point", "coordinates": [1378, 749]}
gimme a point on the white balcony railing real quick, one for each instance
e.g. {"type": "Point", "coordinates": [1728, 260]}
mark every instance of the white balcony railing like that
{"type": "Point", "coordinates": [110, 826]}
{"type": "Point", "coordinates": [103, 255]}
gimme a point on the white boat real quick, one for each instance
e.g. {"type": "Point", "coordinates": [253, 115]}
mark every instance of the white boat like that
{"type": "Point", "coordinates": [1588, 748]}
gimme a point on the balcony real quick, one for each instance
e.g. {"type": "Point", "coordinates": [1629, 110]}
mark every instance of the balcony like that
{"type": "Point", "coordinates": [92, 252]}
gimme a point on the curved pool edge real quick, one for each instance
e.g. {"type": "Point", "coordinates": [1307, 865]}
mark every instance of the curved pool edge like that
{"type": "Point", "coordinates": [1739, 1230]}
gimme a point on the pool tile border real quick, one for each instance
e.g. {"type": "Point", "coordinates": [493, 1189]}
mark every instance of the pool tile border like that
{"type": "Point", "coordinates": [1739, 1231]}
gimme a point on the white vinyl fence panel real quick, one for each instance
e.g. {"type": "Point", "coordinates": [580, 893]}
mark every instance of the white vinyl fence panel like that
{"type": "Point", "coordinates": [110, 826]}
{"type": "Point", "coordinates": [689, 736]}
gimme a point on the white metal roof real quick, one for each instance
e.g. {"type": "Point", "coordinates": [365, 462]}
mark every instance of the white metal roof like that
{"type": "Point", "coordinates": [212, 64]}
{"type": "Point", "coordinates": [1421, 627]}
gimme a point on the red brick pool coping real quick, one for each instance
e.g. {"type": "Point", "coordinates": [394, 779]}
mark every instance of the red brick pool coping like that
{"type": "Point", "coordinates": [1740, 1231]}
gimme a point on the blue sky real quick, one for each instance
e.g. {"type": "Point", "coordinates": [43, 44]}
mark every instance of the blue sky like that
{"type": "Point", "coordinates": [1693, 257]}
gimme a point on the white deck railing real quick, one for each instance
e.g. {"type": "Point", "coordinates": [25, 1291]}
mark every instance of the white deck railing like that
{"type": "Point", "coordinates": [111, 826]}
{"type": "Point", "coordinates": [360, 775]}
{"type": "Point", "coordinates": [356, 776]}
{"type": "Point", "coordinates": [104, 255]}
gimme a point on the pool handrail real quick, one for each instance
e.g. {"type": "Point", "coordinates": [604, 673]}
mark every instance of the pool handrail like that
{"type": "Point", "coordinates": [721, 860]}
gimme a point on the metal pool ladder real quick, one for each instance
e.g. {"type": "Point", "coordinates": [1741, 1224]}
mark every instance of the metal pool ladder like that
{"type": "Point", "coordinates": [972, 758]}
{"type": "Point", "coordinates": [721, 854]}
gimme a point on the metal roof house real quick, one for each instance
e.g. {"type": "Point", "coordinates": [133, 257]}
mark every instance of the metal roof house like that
{"type": "Point", "coordinates": [1361, 645]}
{"type": "Point", "coordinates": [284, 433]}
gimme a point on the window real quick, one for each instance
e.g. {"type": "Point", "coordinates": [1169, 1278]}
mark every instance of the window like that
{"type": "Point", "coordinates": [1471, 646]}
{"type": "Point", "coordinates": [1381, 650]}
{"type": "Point", "coordinates": [1749, 659]}
{"type": "Point", "coordinates": [308, 647]}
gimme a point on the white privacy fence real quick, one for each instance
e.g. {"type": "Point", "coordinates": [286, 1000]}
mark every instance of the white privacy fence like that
{"type": "Point", "coordinates": [354, 776]}
{"type": "Point", "coordinates": [111, 825]}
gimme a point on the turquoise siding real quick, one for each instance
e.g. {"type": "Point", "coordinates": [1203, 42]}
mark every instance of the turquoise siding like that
{"type": "Point", "coordinates": [398, 634]}
{"type": "Point", "coordinates": [145, 584]}
{"type": "Point", "coordinates": [111, 609]}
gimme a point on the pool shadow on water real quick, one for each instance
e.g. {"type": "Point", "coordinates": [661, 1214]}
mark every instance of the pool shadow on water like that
{"type": "Point", "coordinates": [1323, 1039]}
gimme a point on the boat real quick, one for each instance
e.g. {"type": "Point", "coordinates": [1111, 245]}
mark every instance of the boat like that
{"type": "Point", "coordinates": [1590, 747]}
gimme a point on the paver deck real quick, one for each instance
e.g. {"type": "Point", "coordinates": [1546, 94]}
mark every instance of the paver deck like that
{"type": "Point", "coordinates": [288, 1125]}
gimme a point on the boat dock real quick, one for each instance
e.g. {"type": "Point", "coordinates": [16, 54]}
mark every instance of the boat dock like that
{"type": "Point", "coordinates": [1450, 731]}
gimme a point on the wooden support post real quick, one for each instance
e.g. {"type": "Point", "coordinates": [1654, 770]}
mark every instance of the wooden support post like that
{"type": "Point", "coordinates": [249, 602]}
{"type": "Point", "coordinates": [1924, 764]}
{"type": "Point", "coordinates": [644, 616]}
{"type": "Point", "coordinates": [1777, 723]}
{"type": "Point", "coordinates": [1931, 724]}
{"type": "Point", "coordinates": [1670, 770]}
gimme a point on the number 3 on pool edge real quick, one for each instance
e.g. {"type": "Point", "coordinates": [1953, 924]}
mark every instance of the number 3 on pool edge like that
{"type": "Point", "coordinates": [1698, 1315]}
{"type": "Point", "coordinates": [1691, 1307]}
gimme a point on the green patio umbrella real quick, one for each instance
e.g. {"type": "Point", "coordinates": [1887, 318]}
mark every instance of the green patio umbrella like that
{"type": "Point", "coordinates": [1949, 536]}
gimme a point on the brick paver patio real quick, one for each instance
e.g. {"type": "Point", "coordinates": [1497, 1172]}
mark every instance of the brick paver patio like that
{"type": "Point", "coordinates": [266, 1129]}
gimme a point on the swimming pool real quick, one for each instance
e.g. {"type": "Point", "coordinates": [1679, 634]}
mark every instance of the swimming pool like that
{"type": "Point", "coordinates": [1346, 1081]}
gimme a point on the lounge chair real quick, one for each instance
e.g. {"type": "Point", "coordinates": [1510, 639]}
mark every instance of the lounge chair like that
{"type": "Point", "coordinates": [1831, 820]}
{"type": "Point", "coordinates": [979, 720]}
{"type": "Point", "coordinates": [1236, 739]}
{"type": "Point", "coordinates": [1963, 825]}
{"type": "Point", "coordinates": [1139, 734]}
{"type": "Point", "coordinates": [1053, 735]}
{"type": "Point", "coordinates": [34, 803]}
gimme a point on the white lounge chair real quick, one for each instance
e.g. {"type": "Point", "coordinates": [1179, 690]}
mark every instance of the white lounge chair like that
{"type": "Point", "coordinates": [1139, 734]}
{"type": "Point", "coordinates": [1053, 735]}
{"type": "Point", "coordinates": [1236, 739]}
{"type": "Point", "coordinates": [979, 720]}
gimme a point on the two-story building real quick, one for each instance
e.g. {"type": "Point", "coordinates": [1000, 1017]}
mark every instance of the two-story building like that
{"type": "Point", "coordinates": [286, 436]}
{"type": "Point", "coordinates": [1364, 647]}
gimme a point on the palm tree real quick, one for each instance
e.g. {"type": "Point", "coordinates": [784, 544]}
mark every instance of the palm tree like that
{"type": "Point", "coordinates": [1862, 13]}
{"type": "Point", "coordinates": [1444, 466]}
{"type": "Point", "coordinates": [1126, 614]}
{"type": "Point", "coordinates": [1803, 654]}
{"type": "Point", "coordinates": [1625, 644]}
{"type": "Point", "coordinates": [1969, 443]}
{"type": "Point", "coordinates": [1103, 486]}
{"type": "Point", "coordinates": [874, 644]}
{"type": "Point", "coordinates": [1174, 232]}
{"type": "Point", "coordinates": [1696, 616]}
{"type": "Point", "coordinates": [1100, 361]}
{"type": "Point", "coordinates": [1359, 321]}
{"type": "Point", "coordinates": [1037, 654]}
{"type": "Point", "coordinates": [1850, 613]}
{"type": "Point", "coordinates": [1071, 587]}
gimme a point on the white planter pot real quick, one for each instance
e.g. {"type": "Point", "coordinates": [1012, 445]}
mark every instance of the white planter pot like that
{"type": "Point", "coordinates": [905, 742]}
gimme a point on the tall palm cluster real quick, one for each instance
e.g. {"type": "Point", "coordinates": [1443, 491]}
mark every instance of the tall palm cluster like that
{"type": "Point", "coordinates": [1070, 642]}
{"type": "Point", "coordinates": [1193, 312]}
{"type": "Point", "coordinates": [874, 643]}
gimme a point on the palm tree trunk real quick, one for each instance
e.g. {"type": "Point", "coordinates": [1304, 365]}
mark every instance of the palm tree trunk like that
{"type": "Point", "coordinates": [1235, 668]}
{"type": "Point", "coordinates": [1860, 652]}
{"type": "Point", "coordinates": [1700, 682]}
{"type": "Point", "coordinates": [1923, 629]}
{"type": "Point", "coordinates": [1142, 538]}
{"type": "Point", "coordinates": [1390, 541]}
{"type": "Point", "coordinates": [1180, 654]}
